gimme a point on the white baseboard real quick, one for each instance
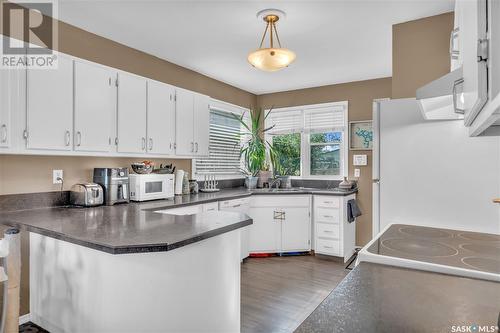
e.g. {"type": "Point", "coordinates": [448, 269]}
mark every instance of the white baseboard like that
{"type": "Point", "coordinates": [24, 319]}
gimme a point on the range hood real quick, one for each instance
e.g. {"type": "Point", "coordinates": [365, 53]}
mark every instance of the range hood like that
{"type": "Point", "coordinates": [442, 99]}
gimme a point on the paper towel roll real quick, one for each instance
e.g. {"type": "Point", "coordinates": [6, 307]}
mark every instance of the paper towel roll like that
{"type": "Point", "coordinates": [179, 176]}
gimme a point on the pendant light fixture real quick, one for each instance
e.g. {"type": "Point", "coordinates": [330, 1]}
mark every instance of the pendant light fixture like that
{"type": "Point", "coordinates": [271, 58]}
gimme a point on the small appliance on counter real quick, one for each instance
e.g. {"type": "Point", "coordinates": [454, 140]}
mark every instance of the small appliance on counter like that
{"type": "Point", "coordinates": [151, 186]}
{"type": "Point", "coordinates": [115, 182]}
{"type": "Point", "coordinates": [86, 195]}
{"type": "Point", "coordinates": [179, 179]}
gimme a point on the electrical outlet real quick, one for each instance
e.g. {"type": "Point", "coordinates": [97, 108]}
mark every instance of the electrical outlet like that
{"type": "Point", "coordinates": [357, 173]}
{"type": "Point", "coordinates": [57, 176]}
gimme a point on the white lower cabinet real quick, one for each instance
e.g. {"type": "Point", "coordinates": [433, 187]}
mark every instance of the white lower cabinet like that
{"type": "Point", "coordinates": [280, 223]}
{"type": "Point", "coordinates": [265, 232]}
{"type": "Point", "coordinates": [333, 234]}
{"type": "Point", "coordinates": [241, 205]}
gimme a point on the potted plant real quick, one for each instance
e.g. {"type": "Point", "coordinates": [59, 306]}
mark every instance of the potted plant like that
{"type": "Point", "coordinates": [264, 175]}
{"type": "Point", "coordinates": [254, 147]}
{"type": "Point", "coordinates": [283, 174]}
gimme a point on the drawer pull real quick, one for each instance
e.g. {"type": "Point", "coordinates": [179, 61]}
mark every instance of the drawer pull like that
{"type": "Point", "coordinates": [328, 247]}
{"type": "Point", "coordinates": [328, 216]}
{"type": "Point", "coordinates": [328, 231]}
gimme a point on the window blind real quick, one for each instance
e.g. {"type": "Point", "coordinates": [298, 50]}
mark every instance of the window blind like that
{"type": "Point", "coordinates": [290, 121]}
{"type": "Point", "coordinates": [224, 145]}
{"type": "Point", "coordinates": [325, 119]}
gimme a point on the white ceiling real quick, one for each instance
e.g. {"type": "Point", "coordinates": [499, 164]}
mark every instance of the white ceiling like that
{"type": "Point", "coordinates": [335, 41]}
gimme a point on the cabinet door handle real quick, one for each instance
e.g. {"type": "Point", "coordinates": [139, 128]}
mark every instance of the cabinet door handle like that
{"type": "Point", "coordinates": [78, 138]}
{"type": "Point", "coordinates": [4, 133]}
{"type": "Point", "coordinates": [143, 140]}
{"type": "Point", "coordinates": [170, 145]}
{"type": "Point", "coordinates": [192, 147]}
{"type": "Point", "coordinates": [196, 144]}
{"type": "Point", "coordinates": [150, 143]}
{"type": "Point", "coordinates": [238, 205]}
{"type": "Point", "coordinates": [454, 96]}
{"type": "Point", "coordinates": [67, 137]}
{"type": "Point", "coordinates": [454, 53]}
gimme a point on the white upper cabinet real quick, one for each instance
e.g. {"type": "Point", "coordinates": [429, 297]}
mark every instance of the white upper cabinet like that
{"type": "Point", "coordinates": [184, 118]}
{"type": "Point", "coordinates": [95, 101]}
{"type": "Point", "coordinates": [131, 122]}
{"type": "Point", "coordinates": [192, 123]}
{"type": "Point", "coordinates": [49, 117]}
{"type": "Point", "coordinates": [7, 94]}
{"type": "Point", "coordinates": [473, 33]}
{"type": "Point", "coordinates": [161, 118]}
{"type": "Point", "coordinates": [201, 124]}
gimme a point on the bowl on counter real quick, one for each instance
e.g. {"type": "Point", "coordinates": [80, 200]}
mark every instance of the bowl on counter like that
{"type": "Point", "coordinates": [142, 168]}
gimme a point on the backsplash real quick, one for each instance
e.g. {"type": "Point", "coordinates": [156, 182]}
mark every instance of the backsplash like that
{"type": "Point", "coordinates": [32, 174]}
{"type": "Point", "coordinates": [11, 202]}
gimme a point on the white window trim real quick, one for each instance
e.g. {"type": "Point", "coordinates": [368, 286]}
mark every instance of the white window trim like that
{"type": "Point", "coordinates": [226, 107]}
{"type": "Point", "coordinates": [305, 142]}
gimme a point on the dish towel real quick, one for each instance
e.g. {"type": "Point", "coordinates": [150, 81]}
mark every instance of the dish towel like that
{"type": "Point", "coordinates": [352, 210]}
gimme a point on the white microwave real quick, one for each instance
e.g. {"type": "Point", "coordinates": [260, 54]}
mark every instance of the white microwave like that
{"type": "Point", "coordinates": [151, 186]}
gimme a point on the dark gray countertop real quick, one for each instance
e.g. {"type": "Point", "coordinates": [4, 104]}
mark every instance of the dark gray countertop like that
{"type": "Point", "coordinates": [124, 228]}
{"type": "Point", "coordinates": [380, 298]}
{"type": "Point", "coordinates": [135, 227]}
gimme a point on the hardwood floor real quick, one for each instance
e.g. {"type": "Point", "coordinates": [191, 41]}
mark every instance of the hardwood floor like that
{"type": "Point", "coordinates": [278, 293]}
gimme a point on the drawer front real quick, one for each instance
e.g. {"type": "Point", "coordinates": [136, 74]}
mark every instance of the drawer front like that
{"type": "Point", "coordinates": [210, 207]}
{"type": "Point", "coordinates": [326, 201]}
{"type": "Point", "coordinates": [327, 230]}
{"type": "Point", "coordinates": [276, 200]}
{"type": "Point", "coordinates": [329, 246]}
{"type": "Point", "coordinates": [327, 215]}
{"type": "Point", "coordinates": [234, 203]}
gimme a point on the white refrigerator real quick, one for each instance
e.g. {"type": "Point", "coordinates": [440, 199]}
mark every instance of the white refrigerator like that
{"type": "Point", "coordinates": [432, 173]}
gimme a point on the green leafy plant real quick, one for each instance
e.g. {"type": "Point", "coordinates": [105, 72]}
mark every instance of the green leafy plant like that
{"type": "Point", "coordinates": [255, 147]}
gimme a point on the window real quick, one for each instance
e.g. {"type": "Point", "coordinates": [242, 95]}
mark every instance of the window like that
{"type": "Point", "coordinates": [310, 140]}
{"type": "Point", "coordinates": [224, 147]}
{"type": "Point", "coordinates": [288, 148]}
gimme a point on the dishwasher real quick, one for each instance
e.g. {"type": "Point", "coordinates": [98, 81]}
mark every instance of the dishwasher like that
{"type": "Point", "coordinates": [241, 205]}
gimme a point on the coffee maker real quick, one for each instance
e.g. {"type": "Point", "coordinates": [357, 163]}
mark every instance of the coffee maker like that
{"type": "Point", "coordinates": [115, 183]}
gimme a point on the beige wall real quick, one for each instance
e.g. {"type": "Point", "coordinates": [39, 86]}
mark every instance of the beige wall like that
{"type": "Point", "coordinates": [31, 174]}
{"type": "Point", "coordinates": [420, 53]}
{"type": "Point", "coordinates": [360, 96]}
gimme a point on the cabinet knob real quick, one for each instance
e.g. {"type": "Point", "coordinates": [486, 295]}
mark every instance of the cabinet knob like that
{"type": "Point", "coordinates": [4, 133]}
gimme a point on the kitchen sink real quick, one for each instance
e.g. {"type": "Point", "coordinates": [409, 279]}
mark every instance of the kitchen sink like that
{"type": "Point", "coordinates": [278, 190]}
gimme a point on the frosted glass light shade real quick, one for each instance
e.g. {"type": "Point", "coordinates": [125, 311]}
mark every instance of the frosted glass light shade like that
{"type": "Point", "coordinates": [271, 59]}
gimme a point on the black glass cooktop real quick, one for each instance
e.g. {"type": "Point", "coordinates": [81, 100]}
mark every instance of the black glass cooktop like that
{"type": "Point", "coordinates": [470, 250]}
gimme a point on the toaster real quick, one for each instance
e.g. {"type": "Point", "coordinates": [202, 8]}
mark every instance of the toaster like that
{"type": "Point", "coordinates": [86, 194]}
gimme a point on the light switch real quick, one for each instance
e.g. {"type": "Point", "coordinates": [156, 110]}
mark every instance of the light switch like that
{"type": "Point", "coordinates": [357, 173]}
{"type": "Point", "coordinates": [360, 160]}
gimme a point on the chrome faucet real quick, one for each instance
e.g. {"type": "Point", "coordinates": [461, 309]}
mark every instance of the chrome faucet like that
{"type": "Point", "coordinates": [275, 181]}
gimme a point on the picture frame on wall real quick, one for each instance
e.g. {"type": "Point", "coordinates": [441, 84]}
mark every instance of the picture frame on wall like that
{"type": "Point", "coordinates": [361, 135]}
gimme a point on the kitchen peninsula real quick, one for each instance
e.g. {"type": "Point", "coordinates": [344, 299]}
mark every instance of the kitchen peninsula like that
{"type": "Point", "coordinates": [128, 268]}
